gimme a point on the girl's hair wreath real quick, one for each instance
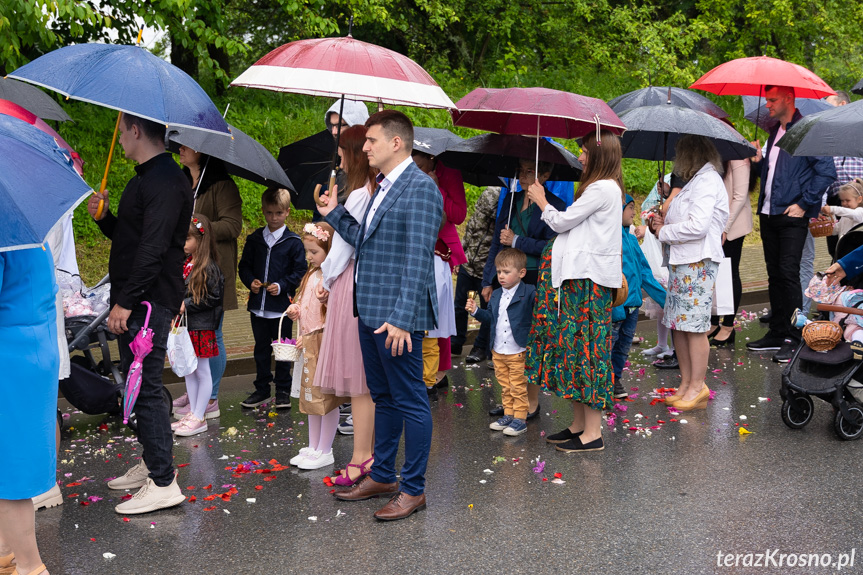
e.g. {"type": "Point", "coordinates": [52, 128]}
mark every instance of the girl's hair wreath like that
{"type": "Point", "coordinates": [316, 232]}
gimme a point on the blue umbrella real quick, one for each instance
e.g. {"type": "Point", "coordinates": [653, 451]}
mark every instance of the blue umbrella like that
{"type": "Point", "coordinates": [128, 79]}
{"type": "Point", "coordinates": [38, 184]}
{"type": "Point", "coordinates": [762, 115]}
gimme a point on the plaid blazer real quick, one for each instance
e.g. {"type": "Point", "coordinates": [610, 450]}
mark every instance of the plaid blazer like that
{"type": "Point", "coordinates": [395, 271]}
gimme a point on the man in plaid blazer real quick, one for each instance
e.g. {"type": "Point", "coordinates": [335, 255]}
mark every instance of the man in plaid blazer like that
{"type": "Point", "coordinates": [396, 302]}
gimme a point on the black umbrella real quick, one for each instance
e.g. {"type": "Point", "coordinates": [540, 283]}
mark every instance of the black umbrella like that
{"type": "Point", "coordinates": [307, 163]}
{"type": "Point", "coordinates": [498, 155]}
{"type": "Point", "coordinates": [858, 88]}
{"type": "Point", "coordinates": [834, 132]}
{"type": "Point", "coordinates": [656, 95]}
{"type": "Point", "coordinates": [32, 99]}
{"type": "Point", "coordinates": [653, 131]}
{"type": "Point", "coordinates": [244, 157]}
{"type": "Point", "coordinates": [436, 141]}
{"type": "Point", "coordinates": [765, 122]}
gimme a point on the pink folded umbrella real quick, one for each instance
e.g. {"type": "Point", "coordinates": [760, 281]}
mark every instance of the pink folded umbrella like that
{"type": "Point", "coordinates": [141, 346]}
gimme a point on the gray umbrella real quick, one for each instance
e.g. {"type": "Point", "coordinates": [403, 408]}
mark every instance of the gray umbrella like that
{"type": "Point", "coordinates": [655, 95]}
{"type": "Point", "coordinates": [652, 133]}
{"type": "Point", "coordinates": [244, 157]}
{"type": "Point", "coordinates": [765, 122]}
{"type": "Point", "coordinates": [32, 99]}
{"type": "Point", "coordinates": [834, 132]}
{"type": "Point", "coordinates": [434, 141]}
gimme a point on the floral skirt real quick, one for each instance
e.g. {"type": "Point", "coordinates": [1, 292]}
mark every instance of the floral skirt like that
{"type": "Point", "coordinates": [569, 347]}
{"type": "Point", "coordinates": [690, 296]}
{"type": "Point", "coordinates": [204, 342]}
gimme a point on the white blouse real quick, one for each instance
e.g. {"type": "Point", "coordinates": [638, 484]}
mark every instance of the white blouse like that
{"type": "Point", "coordinates": [589, 244]}
{"type": "Point", "coordinates": [696, 219]}
{"type": "Point", "coordinates": [341, 252]}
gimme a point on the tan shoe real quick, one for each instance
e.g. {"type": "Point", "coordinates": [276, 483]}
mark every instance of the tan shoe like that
{"type": "Point", "coordinates": [366, 489]}
{"type": "Point", "coordinates": [51, 498]}
{"type": "Point", "coordinates": [699, 402]}
{"type": "Point", "coordinates": [401, 506]}
{"type": "Point", "coordinates": [151, 497]}
{"type": "Point", "coordinates": [132, 479]}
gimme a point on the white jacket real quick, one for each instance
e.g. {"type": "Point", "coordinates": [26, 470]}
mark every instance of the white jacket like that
{"type": "Point", "coordinates": [589, 244]}
{"type": "Point", "coordinates": [696, 219]}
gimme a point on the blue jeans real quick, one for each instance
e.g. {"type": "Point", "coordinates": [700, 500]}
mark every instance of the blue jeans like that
{"type": "Point", "coordinates": [218, 363]}
{"type": "Point", "coordinates": [401, 402]}
{"type": "Point", "coordinates": [154, 415]}
{"type": "Point", "coordinates": [622, 333]}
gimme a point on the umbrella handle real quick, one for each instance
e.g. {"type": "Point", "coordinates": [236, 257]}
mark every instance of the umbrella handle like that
{"type": "Point", "coordinates": [316, 195]}
{"type": "Point", "coordinates": [107, 167]}
{"type": "Point", "coordinates": [149, 311]}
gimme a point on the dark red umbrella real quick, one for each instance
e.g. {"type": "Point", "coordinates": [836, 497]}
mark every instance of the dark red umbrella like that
{"type": "Point", "coordinates": [748, 76]}
{"type": "Point", "coordinates": [534, 112]}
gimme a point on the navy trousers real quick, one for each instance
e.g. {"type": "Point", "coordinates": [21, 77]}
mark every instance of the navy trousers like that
{"type": "Point", "coordinates": [401, 402]}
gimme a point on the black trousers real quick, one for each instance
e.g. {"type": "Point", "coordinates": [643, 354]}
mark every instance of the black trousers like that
{"type": "Point", "coordinates": [733, 249]}
{"type": "Point", "coordinates": [265, 331]}
{"type": "Point", "coordinates": [782, 238]}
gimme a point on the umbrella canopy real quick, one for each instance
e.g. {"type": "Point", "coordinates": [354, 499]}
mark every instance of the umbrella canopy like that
{"type": "Point", "coordinates": [339, 67]}
{"type": "Point", "coordinates": [656, 95]}
{"type": "Point", "coordinates": [498, 155]}
{"type": "Point", "coordinates": [38, 184]}
{"type": "Point", "coordinates": [128, 79]}
{"type": "Point", "coordinates": [32, 99]}
{"type": "Point", "coordinates": [436, 141]}
{"type": "Point", "coordinates": [307, 163]}
{"type": "Point", "coordinates": [534, 112]}
{"type": "Point", "coordinates": [653, 132]}
{"type": "Point", "coordinates": [244, 156]}
{"type": "Point", "coordinates": [858, 88]}
{"type": "Point", "coordinates": [141, 347]}
{"type": "Point", "coordinates": [749, 76]}
{"type": "Point", "coordinates": [762, 115]}
{"type": "Point", "coordinates": [834, 132]}
{"type": "Point", "coordinates": [11, 109]}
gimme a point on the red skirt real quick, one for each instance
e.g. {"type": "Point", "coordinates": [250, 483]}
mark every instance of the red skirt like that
{"type": "Point", "coordinates": [204, 342]}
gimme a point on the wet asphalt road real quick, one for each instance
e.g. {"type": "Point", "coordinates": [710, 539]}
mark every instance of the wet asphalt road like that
{"type": "Point", "coordinates": [662, 498]}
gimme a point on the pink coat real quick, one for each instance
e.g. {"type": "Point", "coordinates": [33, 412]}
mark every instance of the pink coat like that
{"type": "Point", "coordinates": [455, 208]}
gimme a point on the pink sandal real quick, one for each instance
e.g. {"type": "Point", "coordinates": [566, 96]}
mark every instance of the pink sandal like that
{"type": "Point", "coordinates": [344, 479]}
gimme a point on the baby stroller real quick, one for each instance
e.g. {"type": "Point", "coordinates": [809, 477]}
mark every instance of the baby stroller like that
{"type": "Point", "coordinates": [95, 385]}
{"type": "Point", "coordinates": [828, 376]}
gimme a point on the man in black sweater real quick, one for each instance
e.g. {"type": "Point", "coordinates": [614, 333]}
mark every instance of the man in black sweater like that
{"type": "Point", "coordinates": [148, 234]}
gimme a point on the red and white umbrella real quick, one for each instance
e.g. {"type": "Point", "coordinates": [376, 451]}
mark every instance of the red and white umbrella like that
{"type": "Point", "coordinates": [346, 67]}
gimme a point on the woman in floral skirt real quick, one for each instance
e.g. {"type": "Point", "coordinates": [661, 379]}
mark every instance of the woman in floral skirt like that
{"type": "Point", "coordinates": [692, 233]}
{"type": "Point", "coordinates": [569, 348]}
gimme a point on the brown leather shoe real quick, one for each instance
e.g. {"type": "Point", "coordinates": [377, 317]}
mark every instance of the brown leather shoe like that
{"type": "Point", "coordinates": [366, 489]}
{"type": "Point", "coordinates": [401, 506]}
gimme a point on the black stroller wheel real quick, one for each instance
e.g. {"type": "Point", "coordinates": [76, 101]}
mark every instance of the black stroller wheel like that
{"type": "Point", "coordinates": [846, 429]}
{"type": "Point", "coordinates": [166, 397]}
{"type": "Point", "coordinates": [797, 411]}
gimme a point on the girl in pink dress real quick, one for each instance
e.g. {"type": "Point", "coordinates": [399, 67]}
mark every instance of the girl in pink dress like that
{"type": "Point", "coordinates": [340, 364]}
{"type": "Point", "coordinates": [322, 408]}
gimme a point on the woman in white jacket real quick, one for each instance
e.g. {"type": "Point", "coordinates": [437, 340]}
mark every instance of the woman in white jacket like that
{"type": "Point", "coordinates": [692, 233]}
{"type": "Point", "coordinates": [569, 347]}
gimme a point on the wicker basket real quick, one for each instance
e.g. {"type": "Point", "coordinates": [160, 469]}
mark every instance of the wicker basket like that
{"type": "Point", "coordinates": [821, 228]}
{"type": "Point", "coordinates": [822, 335]}
{"type": "Point", "coordinates": [285, 351]}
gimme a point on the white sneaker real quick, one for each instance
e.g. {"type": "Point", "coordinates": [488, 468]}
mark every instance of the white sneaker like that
{"type": "Point", "coordinates": [133, 479]}
{"type": "Point", "coordinates": [151, 497]}
{"type": "Point", "coordinates": [347, 428]}
{"type": "Point", "coordinates": [316, 460]}
{"type": "Point", "coordinates": [304, 452]}
{"type": "Point", "coordinates": [191, 426]}
{"type": "Point", "coordinates": [659, 349]}
{"type": "Point", "coordinates": [667, 353]}
{"type": "Point", "coordinates": [51, 498]}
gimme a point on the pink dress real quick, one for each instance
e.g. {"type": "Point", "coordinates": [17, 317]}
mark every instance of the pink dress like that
{"type": "Point", "coordinates": [340, 363]}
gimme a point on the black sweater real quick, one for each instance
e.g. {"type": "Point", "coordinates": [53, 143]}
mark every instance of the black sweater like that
{"type": "Point", "coordinates": [147, 236]}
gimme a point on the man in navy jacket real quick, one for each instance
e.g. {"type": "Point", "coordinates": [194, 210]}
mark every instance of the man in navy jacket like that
{"type": "Point", "coordinates": [791, 191]}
